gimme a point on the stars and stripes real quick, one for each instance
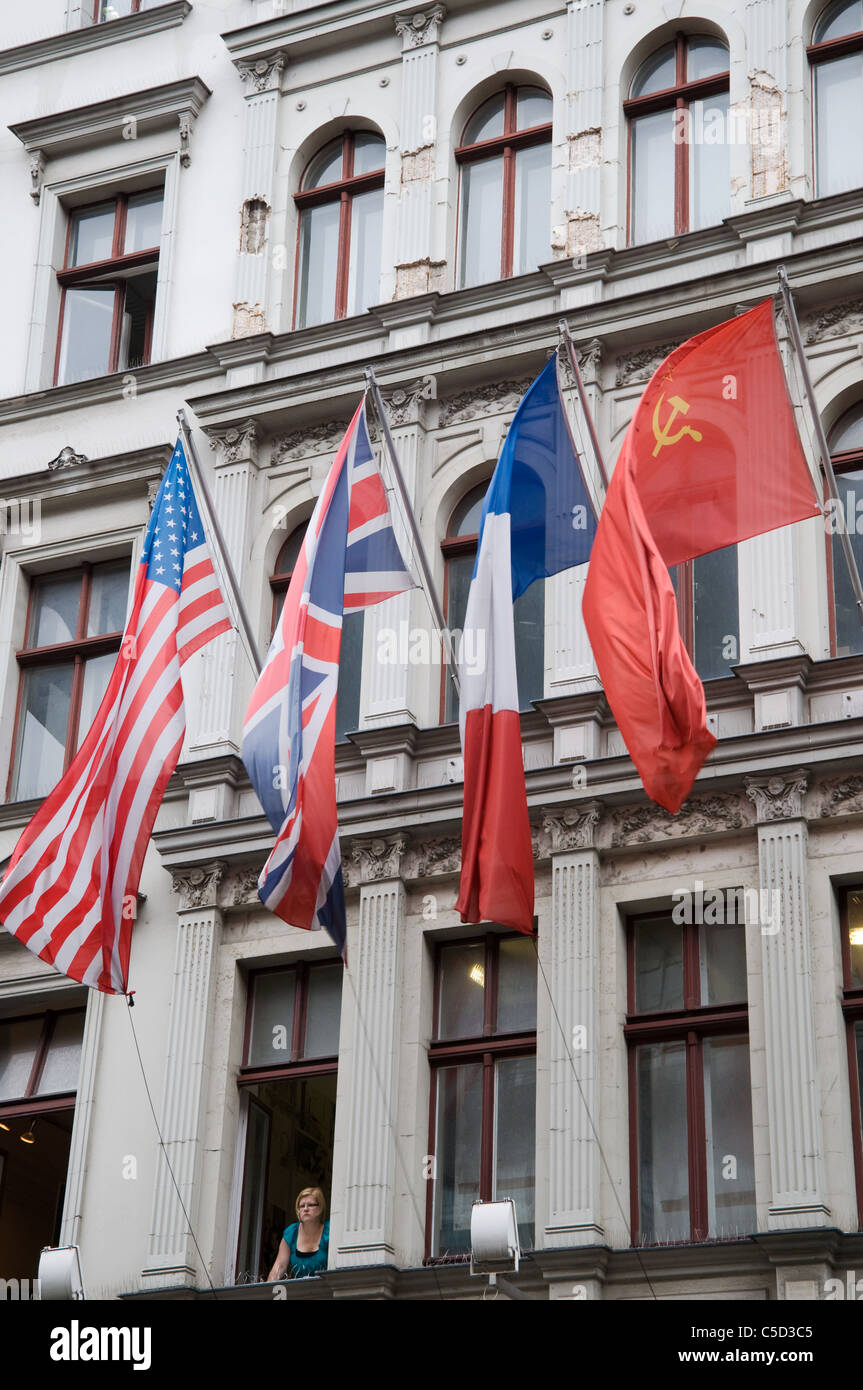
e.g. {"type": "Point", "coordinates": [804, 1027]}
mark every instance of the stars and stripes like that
{"type": "Point", "coordinates": [70, 890]}
{"type": "Point", "coordinates": [350, 559]}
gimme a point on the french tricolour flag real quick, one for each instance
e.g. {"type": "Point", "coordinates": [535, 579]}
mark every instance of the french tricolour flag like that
{"type": "Point", "coordinates": [537, 519]}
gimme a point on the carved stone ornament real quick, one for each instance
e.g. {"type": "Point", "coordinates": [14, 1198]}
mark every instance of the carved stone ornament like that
{"type": "Point", "coordinates": [404, 403]}
{"type": "Point", "coordinates": [573, 828]}
{"type": "Point", "coordinates": [421, 27]}
{"type": "Point", "coordinates": [198, 887]}
{"type": "Point", "coordinates": [640, 366]}
{"type": "Point", "coordinates": [262, 74]}
{"type": "Point", "coordinates": [153, 491]}
{"type": "Point", "coordinates": [240, 887]}
{"type": "Point", "coordinates": [306, 442]}
{"type": "Point", "coordinates": [497, 398]}
{"type": "Point", "coordinates": [237, 442]}
{"type": "Point", "coordinates": [434, 857]}
{"type": "Point", "coordinates": [67, 458]}
{"type": "Point", "coordinates": [377, 859]}
{"type": "Point", "coordinates": [842, 798]}
{"type": "Point", "coordinates": [37, 173]}
{"type": "Point", "coordinates": [187, 120]}
{"type": "Point", "coordinates": [778, 797]}
{"type": "Point", "coordinates": [836, 322]}
{"type": "Point", "coordinates": [589, 358]}
{"type": "Point", "coordinates": [699, 816]}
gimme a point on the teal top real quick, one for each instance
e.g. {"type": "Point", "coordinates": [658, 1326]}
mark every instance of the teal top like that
{"type": "Point", "coordinates": [300, 1264]}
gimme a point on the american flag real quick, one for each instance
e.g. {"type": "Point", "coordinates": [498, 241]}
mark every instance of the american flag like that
{"type": "Point", "coordinates": [70, 890]}
{"type": "Point", "coordinates": [350, 559]}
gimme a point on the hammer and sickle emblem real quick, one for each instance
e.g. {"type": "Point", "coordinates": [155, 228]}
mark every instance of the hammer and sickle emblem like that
{"type": "Point", "coordinates": [662, 433]}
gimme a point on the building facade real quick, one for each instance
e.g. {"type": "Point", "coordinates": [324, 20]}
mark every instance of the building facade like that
{"type": "Point", "coordinates": [233, 209]}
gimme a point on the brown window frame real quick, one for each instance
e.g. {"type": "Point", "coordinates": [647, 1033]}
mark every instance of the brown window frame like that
{"type": "Point", "coordinates": [685, 599]}
{"type": "Point", "coordinates": [452, 547]}
{"type": "Point", "coordinates": [135, 8]}
{"type": "Point", "coordinates": [30, 1103]}
{"type": "Point", "coordinates": [678, 98]}
{"type": "Point", "coordinates": [296, 1067]}
{"type": "Point", "coordinates": [506, 145]}
{"type": "Point", "coordinates": [79, 649]}
{"type": "Point", "coordinates": [343, 191]}
{"type": "Point", "coordinates": [692, 1024]}
{"type": "Point", "coordinates": [817, 53]}
{"type": "Point", "coordinates": [280, 580]}
{"type": "Point", "coordinates": [112, 273]}
{"type": "Point", "coordinates": [852, 1013]}
{"type": "Point", "coordinates": [844, 461]}
{"type": "Point", "coordinates": [487, 1047]}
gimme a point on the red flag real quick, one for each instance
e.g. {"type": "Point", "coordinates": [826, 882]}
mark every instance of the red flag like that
{"type": "Point", "coordinates": [711, 457]}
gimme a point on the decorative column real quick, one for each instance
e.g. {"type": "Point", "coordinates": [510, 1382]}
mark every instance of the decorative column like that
{"type": "Point", "coordinates": [583, 128]}
{"type": "Point", "coordinates": [171, 1255]}
{"type": "Point", "coordinates": [794, 1120]}
{"type": "Point", "coordinates": [417, 270]}
{"type": "Point", "coordinates": [262, 79]}
{"type": "Point", "coordinates": [574, 1216]}
{"type": "Point", "coordinates": [375, 969]}
{"type": "Point", "coordinates": [70, 1230]}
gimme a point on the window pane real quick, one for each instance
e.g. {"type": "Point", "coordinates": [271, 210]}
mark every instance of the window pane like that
{"type": "Point", "coordinates": [458, 576]}
{"type": "Point", "coordinates": [728, 1120]}
{"type": "Point", "coordinates": [138, 305]}
{"type": "Point", "coordinates": [663, 1167]}
{"type": "Point", "coordinates": [254, 1190]}
{"type": "Point", "coordinates": [85, 351]}
{"type": "Point", "coordinates": [716, 613]}
{"type": "Point", "coordinates": [858, 1038]}
{"type": "Point", "coordinates": [92, 237]}
{"type": "Point", "coordinates": [657, 74]}
{"type": "Point", "coordinates": [515, 1140]}
{"type": "Point", "coordinates": [326, 167]}
{"type": "Point", "coordinates": [723, 959]}
{"type": "Point", "coordinates": [838, 102]}
{"type": "Point", "coordinates": [319, 249]}
{"type": "Point", "coordinates": [272, 1019]}
{"type": "Point", "coordinates": [109, 593]}
{"type": "Point", "coordinates": [143, 221]}
{"type": "Point", "coordinates": [324, 1011]}
{"type": "Point", "coordinates": [532, 234]}
{"type": "Point", "coordinates": [289, 552]}
{"type": "Point", "coordinates": [516, 986]}
{"type": "Point", "coordinates": [533, 107]}
{"type": "Point", "coordinates": [55, 610]}
{"type": "Point", "coordinates": [97, 673]}
{"type": "Point", "coordinates": [847, 433]}
{"type": "Point", "coordinates": [364, 278]}
{"type": "Point", "coordinates": [457, 1150]}
{"type": "Point", "coordinates": [114, 9]}
{"type": "Point", "coordinates": [18, 1045]}
{"type": "Point", "coordinates": [658, 965]}
{"type": "Point", "coordinates": [487, 122]}
{"type": "Point", "coordinates": [705, 58]}
{"type": "Point", "coordinates": [839, 21]}
{"type": "Point", "coordinates": [529, 619]}
{"type": "Point", "coordinates": [652, 177]}
{"type": "Point", "coordinates": [709, 173]}
{"type": "Point", "coordinates": [45, 700]}
{"type": "Point", "coordinates": [462, 991]}
{"type": "Point", "coordinates": [855, 937]}
{"type": "Point", "coordinates": [849, 634]}
{"type": "Point", "coordinates": [60, 1072]}
{"type": "Point", "coordinates": [481, 221]}
{"type": "Point", "coordinates": [350, 674]}
{"type": "Point", "coordinates": [467, 515]}
{"type": "Point", "coordinates": [370, 153]}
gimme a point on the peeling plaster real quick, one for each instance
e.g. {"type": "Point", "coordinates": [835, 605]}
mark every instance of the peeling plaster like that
{"type": "Point", "coordinates": [419, 277]}
{"type": "Point", "coordinates": [248, 320]}
{"type": "Point", "coordinates": [585, 149]}
{"type": "Point", "coordinates": [418, 165]}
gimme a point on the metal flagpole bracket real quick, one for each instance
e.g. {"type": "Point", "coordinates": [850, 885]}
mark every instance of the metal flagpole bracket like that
{"type": "Point", "coordinates": [428, 582]}
{"type": "Point", "coordinates": [826, 461]}
{"type": "Point", "coordinates": [204, 491]}
{"type": "Point", "coordinates": [566, 339]}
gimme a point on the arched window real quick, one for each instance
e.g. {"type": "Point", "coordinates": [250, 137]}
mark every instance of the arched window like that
{"type": "Point", "coordinates": [341, 204]}
{"type": "Point", "coordinates": [836, 56]}
{"type": "Point", "coordinates": [677, 114]}
{"type": "Point", "coordinates": [846, 451]}
{"type": "Point", "coordinates": [351, 653]}
{"type": "Point", "coordinates": [459, 550]}
{"type": "Point", "coordinates": [505, 194]}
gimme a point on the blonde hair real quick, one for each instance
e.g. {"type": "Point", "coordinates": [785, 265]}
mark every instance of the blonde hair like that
{"type": "Point", "coordinates": [312, 1192]}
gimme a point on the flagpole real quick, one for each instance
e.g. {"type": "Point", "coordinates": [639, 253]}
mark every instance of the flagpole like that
{"type": "Point", "coordinates": [582, 396]}
{"type": "Point", "coordinates": [791, 315]}
{"type": "Point", "coordinates": [428, 582]}
{"type": "Point", "coordinates": [204, 491]}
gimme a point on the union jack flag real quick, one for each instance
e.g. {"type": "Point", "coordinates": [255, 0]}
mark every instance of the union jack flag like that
{"type": "Point", "coordinates": [70, 890]}
{"type": "Point", "coordinates": [350, 559]}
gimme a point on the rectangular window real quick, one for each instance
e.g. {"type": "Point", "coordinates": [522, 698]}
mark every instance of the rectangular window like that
{"type": "Point", "coordinates": [108, 284]}
{"type": "Point", "coordinates": [74, 627]}
{"type": "Point", "coordinates": [483, 1059]}
{"type": "Point", "coordinates": [289, 1080]}
{"type": "Point", "coordinates": [708, 606]}
{"type": "Point", "coordinates": [690, 1107]}
{"type": "Point", "coordinates": [851, 926]}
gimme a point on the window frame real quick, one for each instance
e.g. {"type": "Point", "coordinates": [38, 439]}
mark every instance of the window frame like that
{"type": "Point", "coordinates": [816, 54]}
{"type": "Point", "coordinates": [343, 191]}
{"type": "Point", "coordinates": [487, 1048]}
{"type": "Point", "coordinates": [297, 1067]}
{"type": "Point", "coordinates": [692, 1025]}
{"type": "Point", "coordinates": [79, 649]}
{"type": "Point", "coordinates": [111, 273]}
{"type": "Point", "coordinates": [506, 145]}
{"type": "Point", "coordinates": [135, 8]}
{"type": "Point", "coordinates": [843, 461]}
{"type": "Point", "coordinates": [679, 97]}
{"type": "Point", "coordinates": [852, 1013]}
{"type": "Point", "coordinates": [685, 600]}
{"type": "Point", "coordinates": [30, 1103]}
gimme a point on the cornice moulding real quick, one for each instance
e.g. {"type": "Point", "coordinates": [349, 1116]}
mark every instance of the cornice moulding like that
{"type": "Point", "coordinates": [112, 471]}
{"type": "Point", "coordinates": [92, 36]}
{"type": "Point", "coordinates": [315, 27]}
{"type": "Point", "coordinates": [84, 127]}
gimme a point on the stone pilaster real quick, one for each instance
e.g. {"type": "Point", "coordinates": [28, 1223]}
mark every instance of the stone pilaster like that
{"type": "Point", "coordinates": [797, 1197]}
{"type": "Point", "coordinates": [574, 1216]}
{"type": "Point", "coordinates": [366, 1233]}
{"type": "Point", "coordinates": [770, 627]}
{"type": "Point", "coordinates": [418, 267]}
{"type": "Point", "coordinates": [767, 85]}
{"type": "Point", "coordinates": [583, 164]}
{"type": "Point", "coordinates": [70, 1230]}
{"type": "Point", "coordinates": [262, 80]}
{"type": "Point", "coordinates": [171, 1255]}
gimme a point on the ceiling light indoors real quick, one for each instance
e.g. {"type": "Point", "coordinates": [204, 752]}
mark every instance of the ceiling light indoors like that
{"type": "Point", "coordinates": [28, 1137]}
{"type": "Point", "coordinates": [477, 974]}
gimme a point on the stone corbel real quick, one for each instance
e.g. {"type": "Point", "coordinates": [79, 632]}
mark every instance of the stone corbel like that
{"type": "Point", "coordinates": [573, 828]}
{"type": "Point", "coordinates": [373, 861]}
{"type": "Point", "coordinates": [186, 121]}
{"type": "Point", "coordinates": [405, 404]}
{"type": "Point", "coordinates": [262, 74]}
{"type": "Point", "coordinates": [778, 796]}
{"type": "Point", "coordinates": [37, 173]}
{"type": "Point", "coordinates": [421, 27]}
{"type": "Point", "coordinates": [235, 443]}
{"type": "Point", "coordinates": [198, 887]}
